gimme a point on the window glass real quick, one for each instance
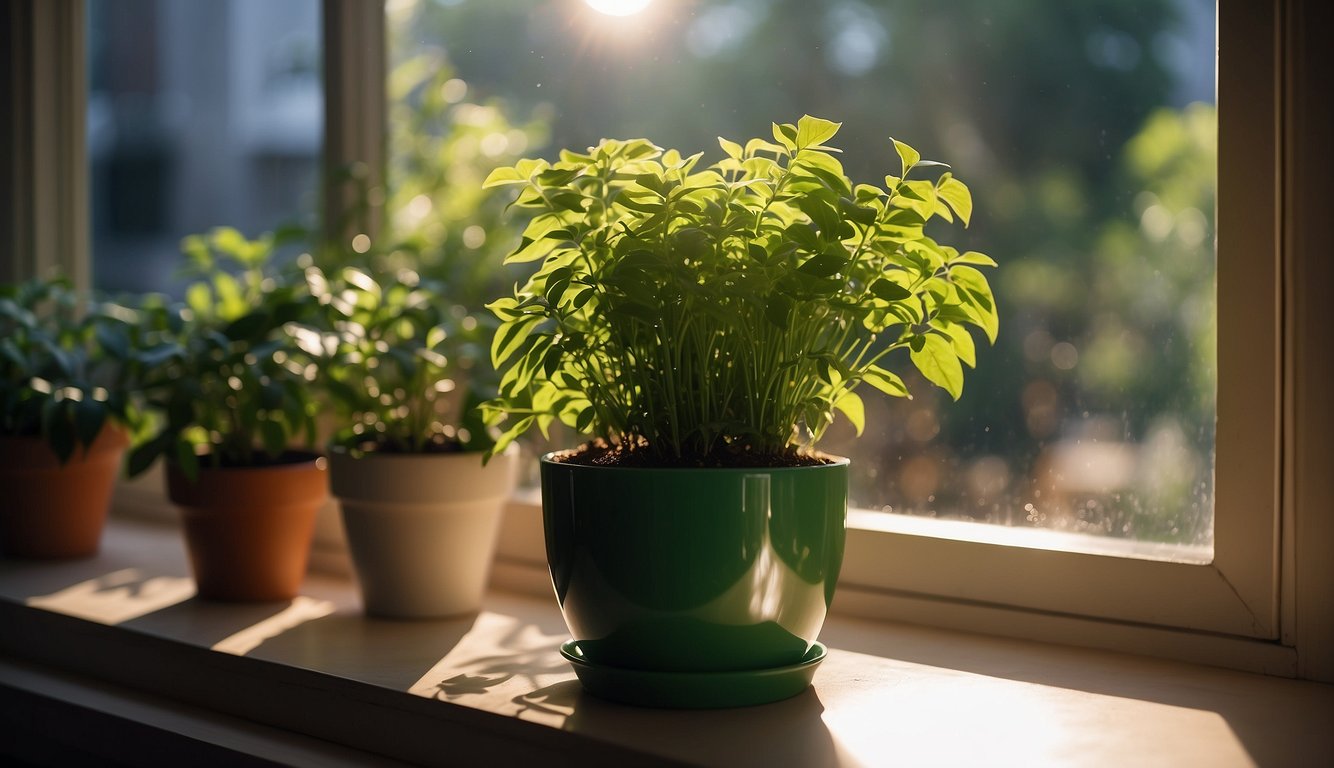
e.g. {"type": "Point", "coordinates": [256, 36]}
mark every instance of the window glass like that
{"type": "Point", "coordinates": [1087, 133]}
{"type": "Point", "coordinates": [199, 115]}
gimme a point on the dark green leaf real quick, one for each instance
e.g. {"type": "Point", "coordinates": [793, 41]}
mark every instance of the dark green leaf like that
{"type": "Point", "coordinates": [823, 265]}
{"type": "Point", "coordinates": [889, 290]}
{"type": "Point", "coordinates": [274, 437]}
{"type": "Point", "coordinates": [89, 416]}
{"type": "Point", "coordinates": [779, 310]}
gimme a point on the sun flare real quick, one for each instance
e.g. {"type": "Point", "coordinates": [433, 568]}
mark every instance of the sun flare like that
{"type": "Point", "coordinates": [618, 7]}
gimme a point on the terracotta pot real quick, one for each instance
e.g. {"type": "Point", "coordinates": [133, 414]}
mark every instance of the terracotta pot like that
{"type": "Point", "coordinates": [52, 510]}
{"type": "Point", "coordinates": [248, 529]}
{"type": "Point", "coordinates": [422, 527]}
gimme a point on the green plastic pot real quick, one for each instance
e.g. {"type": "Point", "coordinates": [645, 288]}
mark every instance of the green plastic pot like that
{"type": "Point", "coordinates": [694, 570]}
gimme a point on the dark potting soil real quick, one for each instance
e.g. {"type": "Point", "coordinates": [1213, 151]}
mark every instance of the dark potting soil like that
{"type": "Point", "coordinates": [600, 454]}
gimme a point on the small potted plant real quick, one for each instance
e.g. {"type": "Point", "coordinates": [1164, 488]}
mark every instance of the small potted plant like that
{"type": "Point", "coordinates": [67, 377]}
{"type": "Point", "coordinates": [235, 396]}
{"type": "Point", "coordinates": [703, 325]}
{"type": "Point", "coordinates": [420, 510]}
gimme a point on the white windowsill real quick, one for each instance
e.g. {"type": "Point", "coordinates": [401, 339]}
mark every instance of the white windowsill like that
{"type": "Point", "coordinates": [322, 681]}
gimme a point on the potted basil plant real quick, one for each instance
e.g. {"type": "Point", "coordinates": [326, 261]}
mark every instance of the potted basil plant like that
{"type": "Point", "coordinates": [69, 370]}
{"type": "Point", "coordinates": [703, 325]}
{"type": "Point", "coordinates": [420, 510]}
{"type": "Point", "coordinates": [235, 397]}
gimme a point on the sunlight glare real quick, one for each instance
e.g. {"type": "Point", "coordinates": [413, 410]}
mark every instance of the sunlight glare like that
{"type": "Point", "coordinates": [618, 7]}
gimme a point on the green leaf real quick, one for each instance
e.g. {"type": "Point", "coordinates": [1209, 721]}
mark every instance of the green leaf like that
{"type": "Point", "coordinates": [113, 341]}
{"type": "Point", "coordinates": [973, 288]}
{"type": "Point", "coordinates": [956, 193]}
{"type": "Point", "coordinates": [850, 405]}
{"type": "Point", "coordinates": [248, 327]}
{"type": "Point", "coordinates": [907, 155]}
{"type": "Point", "coordinates": [938, 363]}
{"type": "Point", "coordinates": [581, 298]}
{"type": "Point", "coordinates": [584, 421]}
{"type": "Point", "coordinates": [862, 214]}
{"type": "Point", "coordinates": [973, 257]}
{"type": "Point", "coordinates": [199, 298]}
{"type": "Point", "coordinates": [271, 395]}
{"type": "Point", "coordinates": [886, 382]}
{"type": "Point", "coordinates": [889, 290]}
{"type": "Point", "coordinates": [143, 456]}
{"type": "Point", "coordinates": [509, 435]}
{"type": "Point", "coordinates": [231, 301]}
{"type": "Point", "coordinates": [814, 131]}
{"type": "Point", "coordinates": [962, 341]}
{"type": "Point", "coordinates": [786, 135]}
{"type": "Point", "coordinates": [187, 459]}
{"type": "Point", "coordinates": [779, 310]}
{"type": "Point", "coordinates": [509, 337]}
{"type": "Point", "coordinates": [502, 176]}
{"type": "Point", "coordinates": [59, 429]}
{"type": "Point", "coordinates": [732, 148]}
{"type": "Point", "coordinates": [823, 265]}
{"type": "Point", "coordinates": [89, 416]}
{"type": "Point", "coordinates": [274, 437]}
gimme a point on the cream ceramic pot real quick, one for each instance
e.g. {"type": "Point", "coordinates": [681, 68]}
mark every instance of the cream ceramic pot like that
{"type": "Point", "coordinates": [421, 528]}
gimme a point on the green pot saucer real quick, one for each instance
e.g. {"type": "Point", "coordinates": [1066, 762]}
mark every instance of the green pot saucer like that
{"type": "Point", "coordinates": [693, 690]}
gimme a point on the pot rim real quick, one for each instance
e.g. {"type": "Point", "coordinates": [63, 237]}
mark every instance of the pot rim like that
{"type": "Point", "coordinates": [345, 453]}
{"type": "Point", "coordinates": [300, 460]}
{"type": "Point", "coordinates": [837, 461]}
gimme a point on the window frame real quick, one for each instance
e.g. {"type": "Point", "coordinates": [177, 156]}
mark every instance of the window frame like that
{"type": "Point", "coordinates": [1268, 593]}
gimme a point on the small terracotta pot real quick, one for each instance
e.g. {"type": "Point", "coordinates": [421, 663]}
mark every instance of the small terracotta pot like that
{"type": "Point", "coordinates": [52, 510]}
{"type": "Point", "coordinates": [248, 529]}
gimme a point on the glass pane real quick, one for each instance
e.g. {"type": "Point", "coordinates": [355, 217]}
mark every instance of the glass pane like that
{"type": "Point", "coordinates": [199, 115]}
{"type": "Point", "coordinates": [1087, 134]}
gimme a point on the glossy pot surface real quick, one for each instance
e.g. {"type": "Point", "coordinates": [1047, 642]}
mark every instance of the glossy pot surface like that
{"type": "Point", "coordinates": [694, 569]}
{"type": "Point", "coordinates": [53, 510]}
{"type": "Point", "coordinates": [248, 529]}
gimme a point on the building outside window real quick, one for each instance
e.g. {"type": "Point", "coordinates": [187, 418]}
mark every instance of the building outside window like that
{"type": "Point", "coordinates": [199, 115]}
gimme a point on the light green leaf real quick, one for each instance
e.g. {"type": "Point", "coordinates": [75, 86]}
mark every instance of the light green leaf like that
{"type": "Point", "coordinates": [850, 405]}
{"type": "Point", "coordinates": [956, 193]}
{"type": "Point", "coordinates": [907, 154]}
{"type": "Point", "coordinates": [974, 289]}
{"type": "Point", "coordinates": [973, 257]}
{"type": "Point", "coordinates": [732, 148]}
{"type": "Point", "coordinates": [199, 298]}
{"type": "Point", "coordinates": [962, 341]}
{"type": "Point", "coordinates": [939, 364]}
{"type": "Point", "coordinates": [502, 176]}
{"type": "Point", "coordinates": [814, 131]}
{"type": "Point", "coordinates": [509, 337]}
{"type": "Point", "coordinates": [231, 302]}
{"type": "Point", "coordinates": [886, 382]}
